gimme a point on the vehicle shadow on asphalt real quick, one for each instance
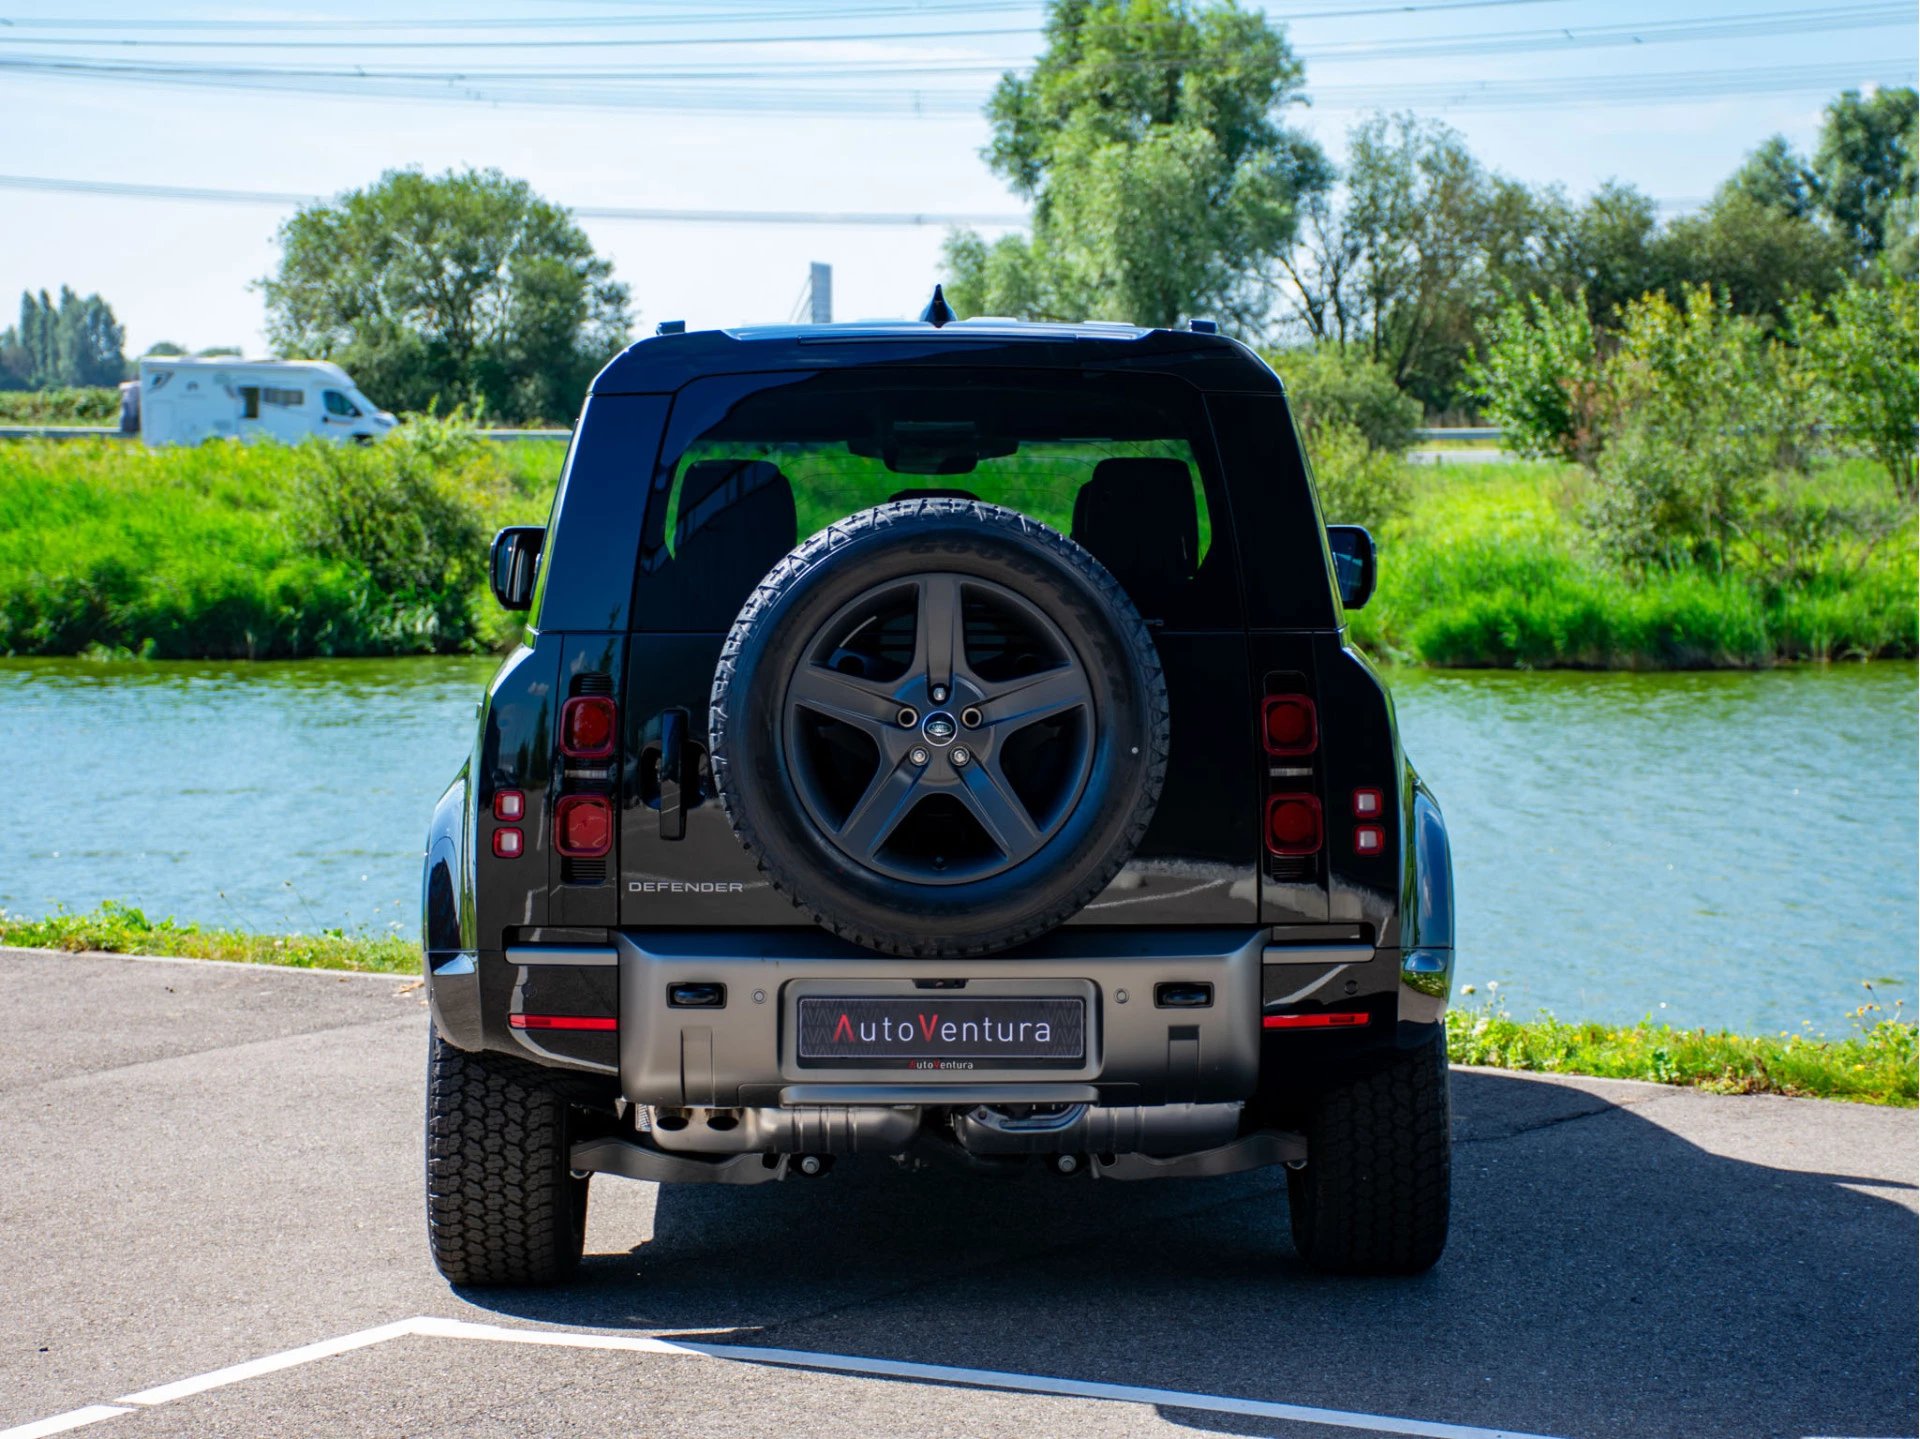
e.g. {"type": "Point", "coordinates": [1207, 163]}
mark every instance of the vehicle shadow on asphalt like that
{"type": "Point", "coordinates": [1605, 1275]}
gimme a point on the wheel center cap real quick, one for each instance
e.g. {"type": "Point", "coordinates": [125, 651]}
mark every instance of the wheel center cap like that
{"type": "Point", "coordinates": [939, 728]}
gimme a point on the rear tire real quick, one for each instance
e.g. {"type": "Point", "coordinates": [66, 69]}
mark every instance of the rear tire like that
{"type": "Point", "coordinates": [1374, 1195]}
{"type": "Point", "coordinates": [503, 1207]}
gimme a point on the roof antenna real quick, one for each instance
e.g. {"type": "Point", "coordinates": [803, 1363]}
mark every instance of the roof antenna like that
{"type": "Point", "coordinates": [938, 311]}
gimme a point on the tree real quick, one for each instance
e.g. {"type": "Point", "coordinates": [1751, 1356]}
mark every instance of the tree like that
{"type": "Point", "coordinates": [1756, 257]}
{"type": "Point", "coordinates": [1436, 241]}
{"type": "Point", "coordinates": [459, 289]}
{"type": "Point", "coordinates": [1542, 379]}
{"type": "Point", "coordinates": [1778, 177]}
{"type": "Point", "coordinates": [1864, 169]}
{"type": "Point", "coordinates": [1861, 353]}
{"type": "Point", "coordinates": [1148, 140]}
{"type": "Point", "coordinates": [77, 342]}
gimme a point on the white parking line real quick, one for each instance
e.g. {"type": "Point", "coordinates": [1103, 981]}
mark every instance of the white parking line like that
{"type": "Point", "coordinates": [287, 1359]}
{"type": "Point", "coordinates": [61, 1423]}
{"type": "Point", "coordinates": [433, 1328]}
{"type": "Point", "coordinates": [978, 1379]}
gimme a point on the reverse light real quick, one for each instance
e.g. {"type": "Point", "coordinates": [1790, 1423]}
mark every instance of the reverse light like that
{"type": "Point", "coordinates": [508, 843]}
{"type": "Point", "coordinates": [1369, 839]}
{"type": "Point", "coordinates": [1293, 825]}
{"type": "Point", "coordinates": [510, 805]}
{"type": "Point", "coordinates": [583, 826]}
{"type": "Point", "coordinates": [1289, 725]}
{"type": "Point", "coordinates": [1368, 803]}
{"type": "Point", "coordinates": [589, 725]}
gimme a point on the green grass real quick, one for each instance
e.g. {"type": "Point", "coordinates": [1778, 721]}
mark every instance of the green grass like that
{"type": "Point", "coordinates": [1490, 567]}
{"type": "Point", "coordinates": [1874, 1065]}
{"type": "Point", "coordinates": [121, 929]}
{"type": "Point", "coordinates": [191, 553]}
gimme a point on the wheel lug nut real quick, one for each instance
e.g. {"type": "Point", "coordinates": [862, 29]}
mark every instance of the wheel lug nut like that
{"type": "Point", "coordinates": [908, 717]}
{"type": "Point", "coordinates": [970, 717]}
{"type": "Point", "coordinates": [960, 756]}
{"type": "Point", "coordinates": [919, 756]}
{"type": "Point", "coordinates": [939, 694]}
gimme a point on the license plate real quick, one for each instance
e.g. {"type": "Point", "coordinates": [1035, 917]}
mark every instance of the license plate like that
{"type": "Point", "coordinates": [942, 1033]}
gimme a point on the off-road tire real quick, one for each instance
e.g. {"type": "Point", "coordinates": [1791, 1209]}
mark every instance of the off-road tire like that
{"type": "Point", "coordinates": [1373, 1197]}
{"type": "Point", "coordinates": [502, 1206]}
{"type": "Point", "coordinates": [903, 537]}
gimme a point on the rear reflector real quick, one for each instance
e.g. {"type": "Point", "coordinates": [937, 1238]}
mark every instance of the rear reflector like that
{"type": "Point", "coordinates": [561, 1021]}
{"type": "Point", "coordinates": [589, 725]}
{"type": "Point", "coordinates": [1288, 725]}
{"type": "Point", "coordinates": [508, 843]}
{"type": "Point", "coordinates": [1293, 825]}
{"type": "Point", "coordinates": [1369, 839]}
{"type": "Point", "coordinates": [1315, 1021]}
{"type": "Point", "coordinates": [583, 826]}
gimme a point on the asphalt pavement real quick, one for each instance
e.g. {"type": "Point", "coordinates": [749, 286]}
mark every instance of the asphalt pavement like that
{"type": "Point", "coordinates": [205, 1166]}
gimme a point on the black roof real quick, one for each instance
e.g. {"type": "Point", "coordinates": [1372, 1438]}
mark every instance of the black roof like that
{"type": "Point", "coordinates": [666, 362]}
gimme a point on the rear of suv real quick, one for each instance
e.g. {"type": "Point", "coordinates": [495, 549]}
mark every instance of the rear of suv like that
{"type": "Point", "coordinates": [935, 741]}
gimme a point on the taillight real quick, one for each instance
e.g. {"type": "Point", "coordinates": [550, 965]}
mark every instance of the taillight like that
{"type": "Point", "coordinates": [583, 826]}
{"type": "Point", "coordinates": [510, 805]}
{"type": "Point", "coordinates": [1368, 804]}
{"type": "Point", "coordinates": [1369, 839]}
{"type": "Point", "coordinates": [1352, 1019]}
{"type": "Point", "coordinates": [589, 725]}
{"type": "Point", "coordinates": [1288, 725]}
{"type": "Point", "coordinates": [1293, 825]}
{"type": "Point", "coordinates": [508, 843]}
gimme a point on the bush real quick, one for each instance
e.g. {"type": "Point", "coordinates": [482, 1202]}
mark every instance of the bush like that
{"type": "Point", "coordinates": [409, 513]}
{"type": "Point", "coordinates": [1358, 484]}
{"type": "Point", "coordinates": [1355, 424]}
{"type": "Point", "coordinates": [1542, 380]}
{"type": "Point", "coordinates": [94, 405]}
{"type": "Point", "coordinates": [1334, 385]}
{"type": "Point", "coordinates": [1705, 409]}
{"type": "Point", "coordinates": [1859, 354]}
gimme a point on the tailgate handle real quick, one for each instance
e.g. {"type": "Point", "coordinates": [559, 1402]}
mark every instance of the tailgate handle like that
{"type": "Point", "coordinates": [673, 760]}
{"type": "Point", "coordinates": [1183, 995]}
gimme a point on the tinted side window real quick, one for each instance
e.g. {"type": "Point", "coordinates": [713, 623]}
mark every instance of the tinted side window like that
{"type": "Point", "coordinates": [1289, 581]}
{"type": "Point", "coordinates": [339, 404]}
{"type": "Point", "coordinates": [1124, 464]}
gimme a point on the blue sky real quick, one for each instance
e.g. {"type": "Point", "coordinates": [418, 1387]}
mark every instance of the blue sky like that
{"type": "Point", "coordinates": [1734, 73]}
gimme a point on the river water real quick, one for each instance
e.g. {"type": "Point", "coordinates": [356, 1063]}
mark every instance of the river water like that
{"type": "Point", "coordinates": [1733, 849]}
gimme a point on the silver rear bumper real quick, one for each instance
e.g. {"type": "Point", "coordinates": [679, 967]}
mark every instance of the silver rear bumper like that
{"type": "Point", "coordinates": [743, 1052]}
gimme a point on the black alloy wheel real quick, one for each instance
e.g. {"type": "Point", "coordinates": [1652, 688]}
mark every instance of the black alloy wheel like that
{"type": "Point", "coordinates": [940, 727]}
{"type": "Point", "coordinates": [976, 747]}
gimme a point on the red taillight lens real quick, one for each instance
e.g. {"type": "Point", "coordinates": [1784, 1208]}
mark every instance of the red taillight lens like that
{"type": "Point", "coordinates": [1368, 803]}
{"type": "Point", "coordinates": [510, 805]}
{"type": "Point", "coordinates": [1288, 725]}
{"type": "Point", "coordinates": [508, 843]}
{"type": "Point", "coordinates": [588, 726]}
{"type": "Point", "coordinates": [1352, 1020]}
{"type": "Point", "coordinates": [583, 826]}
{"type": "Point", "coordinates": [1293, 825]}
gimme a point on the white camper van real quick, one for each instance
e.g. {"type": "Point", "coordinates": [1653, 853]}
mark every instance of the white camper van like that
{"type": "Point", "coordinates": [184, 401]}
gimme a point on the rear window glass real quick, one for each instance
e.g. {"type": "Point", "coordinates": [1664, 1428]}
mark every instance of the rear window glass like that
{"type": "Point", "coordinates": [1119, 464]}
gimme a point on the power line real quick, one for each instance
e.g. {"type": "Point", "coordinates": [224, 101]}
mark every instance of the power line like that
{"type": "Point", "coordinates": [138, 191]}
{"type": "Point", "coordinates": [119, 25]}
{"type": "Point", "coordinates": [1751, 23]}
{"type": "Point", "coordinates": [620, 90]}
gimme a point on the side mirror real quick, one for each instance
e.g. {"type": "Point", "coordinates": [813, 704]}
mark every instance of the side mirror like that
{"type": "Point", "coordinates": [512, 563]}
{"type": "Point", "coordinates": [1354, 565]}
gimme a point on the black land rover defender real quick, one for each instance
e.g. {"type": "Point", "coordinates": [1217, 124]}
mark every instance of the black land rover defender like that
{"type": "Point", "coordinates": [935, 740]}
